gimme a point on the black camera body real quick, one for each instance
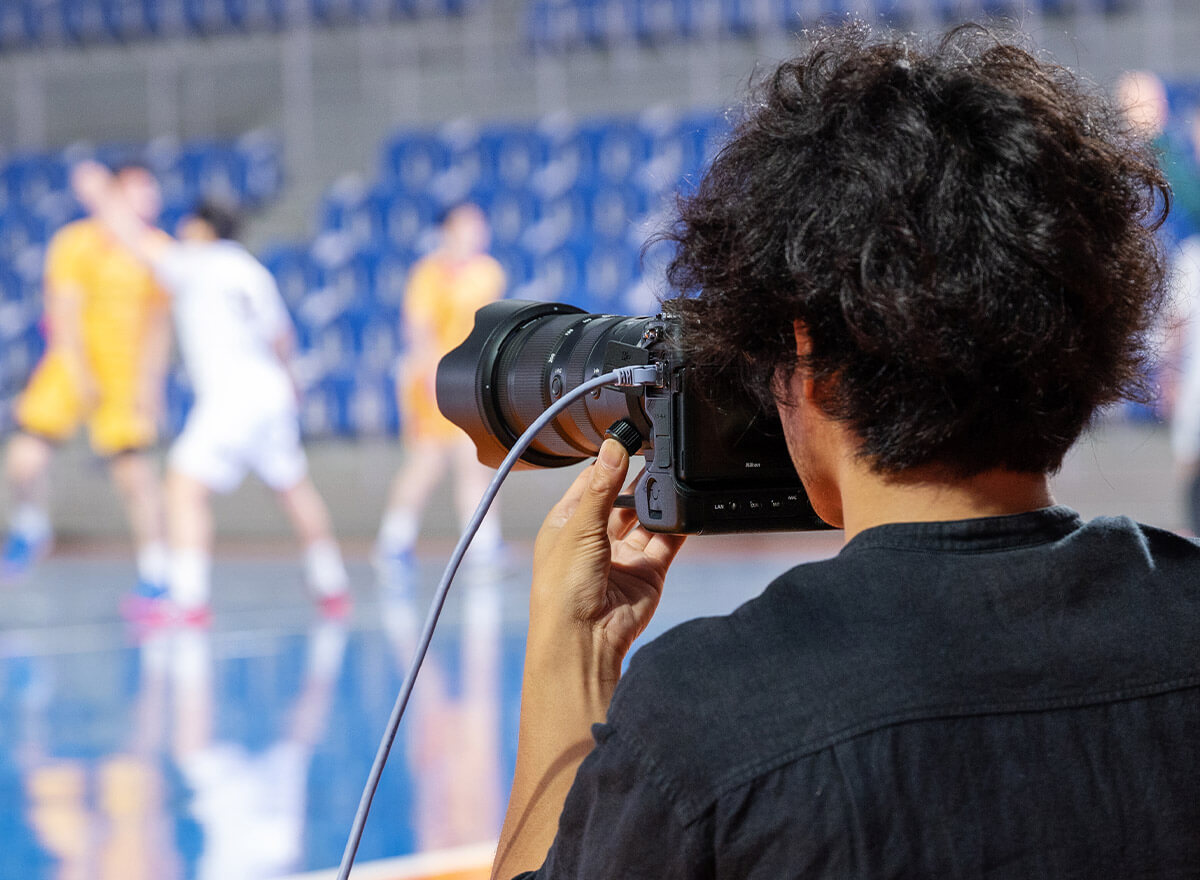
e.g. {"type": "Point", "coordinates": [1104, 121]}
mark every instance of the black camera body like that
{"type": "Point", "coordinates": [715, 463]}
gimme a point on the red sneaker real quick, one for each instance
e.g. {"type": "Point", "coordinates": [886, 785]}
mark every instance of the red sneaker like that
{"type": "Point", "coordinates": [336, 606]}
{"type": "Point", "coordinates": [146, 611]}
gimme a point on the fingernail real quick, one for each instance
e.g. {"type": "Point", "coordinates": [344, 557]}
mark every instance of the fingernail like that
{"type": "Point", "coordinates": [611, 454]}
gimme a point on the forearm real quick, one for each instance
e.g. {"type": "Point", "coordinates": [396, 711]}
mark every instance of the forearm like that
{"type": "Point", "coordinates": [597, 578]}
{"type": "Point", "coordinates": [567, 687]}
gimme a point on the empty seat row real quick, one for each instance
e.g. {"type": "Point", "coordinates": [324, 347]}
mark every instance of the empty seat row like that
{"type": "Point", "coordinates": [552, 154]}
{"type": "Point", "coordinates": [565, 24]}
{"type": "Point", "coordinates": [36, 23]}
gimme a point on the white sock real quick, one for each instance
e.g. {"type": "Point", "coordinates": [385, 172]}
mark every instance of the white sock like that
{"type": "Point", "coordinates": [398, 531]}
{"type": "Point", "coordinates": [31, 521]}
{"type": "Point", "coordinates": [326, 647]}
{"type": "Point", "coordinates": [189, 582]}
{"type": "Point", "coordinates": [324, 568]}
{"type": "Point", "coordinates": [152, 563]}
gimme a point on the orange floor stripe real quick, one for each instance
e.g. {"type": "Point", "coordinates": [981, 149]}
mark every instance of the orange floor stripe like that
{"type": "Point", "coordinates": [462, 863]}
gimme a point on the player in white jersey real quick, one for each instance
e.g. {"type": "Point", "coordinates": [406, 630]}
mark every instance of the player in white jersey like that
{"type": "Point", "coordinates": [235, 337]}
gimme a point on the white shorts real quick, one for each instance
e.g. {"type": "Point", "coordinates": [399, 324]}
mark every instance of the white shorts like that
{"type": "Point", "coordinates": [219, 444]}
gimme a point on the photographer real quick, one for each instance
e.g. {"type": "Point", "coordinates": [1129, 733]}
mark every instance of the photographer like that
{"type": "Point", "coordinates": [938, 262]}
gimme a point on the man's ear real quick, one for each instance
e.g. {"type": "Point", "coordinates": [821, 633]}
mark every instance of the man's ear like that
{"type": "Point", "coordinates": [803, 349]}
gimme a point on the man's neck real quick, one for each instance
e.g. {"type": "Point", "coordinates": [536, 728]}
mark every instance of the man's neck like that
{"type": "Point", "coordinates": [932, 495]}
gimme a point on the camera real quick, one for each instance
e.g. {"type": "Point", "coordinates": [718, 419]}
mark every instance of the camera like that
{"type": "Point", "coordinates": [715, 462]}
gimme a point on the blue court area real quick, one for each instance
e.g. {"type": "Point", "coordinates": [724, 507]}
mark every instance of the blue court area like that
{"type": "Point", "coordinates": [239, 750]}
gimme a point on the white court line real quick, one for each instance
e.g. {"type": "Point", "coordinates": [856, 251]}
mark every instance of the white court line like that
{"type": "Point", "coordinates": [445, 861]}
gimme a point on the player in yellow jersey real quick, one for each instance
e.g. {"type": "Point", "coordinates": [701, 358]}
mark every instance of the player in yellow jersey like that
{"type": "Point", "coordinates": [107, 343]}
{"type": "Point", "coordinates": [444, 291]}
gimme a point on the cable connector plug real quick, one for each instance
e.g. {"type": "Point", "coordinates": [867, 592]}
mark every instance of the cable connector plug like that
{"type": "Point", "coordinates": [650, 374]}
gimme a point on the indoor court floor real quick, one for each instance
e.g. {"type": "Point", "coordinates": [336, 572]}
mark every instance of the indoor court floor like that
{"type": "Point", "coordinates": [239, 751]}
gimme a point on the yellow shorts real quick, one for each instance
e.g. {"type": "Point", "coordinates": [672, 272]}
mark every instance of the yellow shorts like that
{"type": "Point", "coordinates": [53, 407]}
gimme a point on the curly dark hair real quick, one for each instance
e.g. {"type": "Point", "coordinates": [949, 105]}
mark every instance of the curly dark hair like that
{"type": "Point", "coordinates": [966, 232]}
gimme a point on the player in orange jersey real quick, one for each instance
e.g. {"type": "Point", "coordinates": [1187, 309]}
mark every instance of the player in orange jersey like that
{"type": "Point", "coordinates": [107, 344]}
{"type": "Point", "coordinates": [444, 291]}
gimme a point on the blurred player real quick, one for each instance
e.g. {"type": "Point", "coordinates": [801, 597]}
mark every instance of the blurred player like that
{"type": "Point", "coordinates": [444, 291]}
{"type": "Point", "coordinates": [1142, 96]}
{"type": "Point", "coordinates": [108, 339]}
{"type": "Point", "coordinates": [236, 340]}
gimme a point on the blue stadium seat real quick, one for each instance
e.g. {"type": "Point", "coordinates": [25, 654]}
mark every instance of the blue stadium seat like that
{"type": "Point", "coordinates": [510, 212]}
{"type": "Point", "coordinates": [610, 211]}
{"type": "Point", "coordinates": [210, 170]}
{"type": "Point", "coordinates": [510, 155]}
{"type": "Point", "coordinates": [164, 18]}
{"type": "Point", "coordinates": [11, 289]}
{"type": "Point", "coordinates": [293, 271]}
{"type": "Point", "coordinates": [338, 388]}
{"type": "Point", "coordinates": [417, 8]}
{"type": "Point", "coordinates": [256, 15]}
{"type": "Point", "coordinates": [206, 16]}
{"type": "Point", "coordinates": [555, 25]}
{"type": "Point", "coordinates": [28, 179]}
{"type": "Point", "coordinates": [19, 230]}
{"type": "Point", "coordinates": [173, 212]}
{"type": "Point", "coordinates": [517, 263]}
{"type": "Point", "coordinates": [165, 157]}
{"type": "Point", "coordinates": [260, 165]}
{"type": "Point", "coordinates": [401, 216]}
{"type": "Point", "coordinates": [413, 159]}
{"type": "Point", "coordinates": [567, 156]}
{"type": "Point", "coordinates": [704, 19]}
{"type": "Point", "coordinates": [22, 23]}
{"type": "Point", "coordinates": [559, 219]}
{"type": "Point", "coordinates": [392, 268]}
{"type": "Point", "coordinates": [660, 21]}
{"type": "Point", "coordinates": [372, 410]}
{"type": "Point", "coordinates": [745, 18]}
{"type": "Point", "coordinates": [335, 12]}
{"type": "Point", "coordinates": [463, 163]}
{"type": "Point", "coordinates": [126, 20]}
{"type": "Point", "coordinates": [345, 208]}
{"type": "Point", "coordinates": [606, 22]}
{"type": "Point", "coordinates": [318, 410]}
{"type": "Point", "coordinates": [609, 269]}
{"type": "Point", "coordinates": [82, 22]}
{"type": "Point", "coordinates": [23, 353]}
{"type": "Point", "coordinates": [558, 275]}
{"type": "Point", "coordinates": [615, 148]}
{"type": "Point", "coordinates": [379, 341]}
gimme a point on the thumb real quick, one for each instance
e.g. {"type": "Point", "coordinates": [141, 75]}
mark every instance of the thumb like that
{"type": "Point", "coordinates": [604, 484]}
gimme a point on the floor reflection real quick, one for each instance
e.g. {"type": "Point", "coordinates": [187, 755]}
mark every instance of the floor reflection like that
{"type": "Point", "coordinates": [250, 804]}
{"type": "Point", "coordinates": [240, 753]}
{"type": "Point", "coordinates": [453, 725]}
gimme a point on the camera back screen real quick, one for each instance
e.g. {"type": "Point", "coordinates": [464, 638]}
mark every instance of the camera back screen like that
{"type": "Point", "coordinates": [736, 443]}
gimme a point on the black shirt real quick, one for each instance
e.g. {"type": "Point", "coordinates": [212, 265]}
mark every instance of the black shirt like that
{"type": "Point", "coordinates": [1013, 697]}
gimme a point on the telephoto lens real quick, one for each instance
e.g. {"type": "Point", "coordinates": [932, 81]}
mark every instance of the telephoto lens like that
{"type": "Point", "coordinates": [522, 356]}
